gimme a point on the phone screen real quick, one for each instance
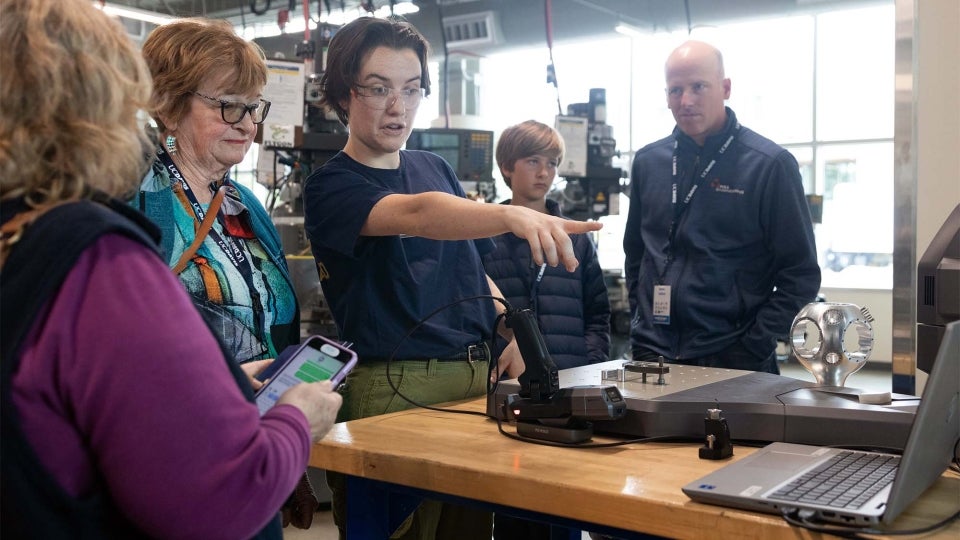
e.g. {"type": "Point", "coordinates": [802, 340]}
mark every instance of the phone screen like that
{"type": "Point", "coordinates": [314, 361]}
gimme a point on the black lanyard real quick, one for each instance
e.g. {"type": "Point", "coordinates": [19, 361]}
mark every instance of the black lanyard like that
{"type": "Point", "coordinates": [229, 245]}
{"type": "Point", "coordinates": [534, 282]}
{"type": "Point", "coordinates": [681, 207]}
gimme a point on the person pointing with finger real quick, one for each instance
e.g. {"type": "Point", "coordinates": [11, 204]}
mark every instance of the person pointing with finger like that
{"type": "Point", "coordinates": [395, 239]}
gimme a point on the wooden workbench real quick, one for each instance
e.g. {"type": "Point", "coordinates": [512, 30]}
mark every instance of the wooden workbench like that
{"type": "Point", "coordinates": [630, 488]}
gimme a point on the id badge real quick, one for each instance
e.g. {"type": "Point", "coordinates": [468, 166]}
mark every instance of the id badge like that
{"type": "Point", "coordinates": [661, 304]}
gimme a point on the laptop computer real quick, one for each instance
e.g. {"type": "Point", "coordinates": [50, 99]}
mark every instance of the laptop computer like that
{"type": "Point", "coordinates": [782, 476]}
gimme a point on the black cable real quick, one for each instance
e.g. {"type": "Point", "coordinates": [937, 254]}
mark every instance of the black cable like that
{"type": "Point", "coordinates": [796, 518]}
{"type": "Point", "coordinates": [793, 517]}
{"type": "Point", "coordinates": [420, 323]}
{"type": "Point", "coordinates": [686, 8]}
{"type": "Point", "coordinates": [493, 369]}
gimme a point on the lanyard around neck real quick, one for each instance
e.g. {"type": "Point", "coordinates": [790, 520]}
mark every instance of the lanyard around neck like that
{"type": "Point", "coordinates": [229, 245]}
{"type": "Point", "coordinates": [535, 288]}
{"type": "Point", "coordinates": [680, 207]}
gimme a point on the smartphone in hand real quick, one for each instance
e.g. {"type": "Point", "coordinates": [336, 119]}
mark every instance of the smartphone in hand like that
{"type": "Point", "coordinates": [317, 359]}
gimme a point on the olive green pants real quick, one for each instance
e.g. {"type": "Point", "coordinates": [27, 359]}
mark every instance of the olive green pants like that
{"type": "Point", "coordinates": [368, 393]}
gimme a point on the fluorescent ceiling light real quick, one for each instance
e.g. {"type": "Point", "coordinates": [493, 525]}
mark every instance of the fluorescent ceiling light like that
{"type": "Point", "coordinates": [132, 13]}
{"type": "Point", "coordinates": [295, 25]}
{"type": "Point", "coordinates": [345, 16]}
{"type": "Point", "coordinates": [264, 29]}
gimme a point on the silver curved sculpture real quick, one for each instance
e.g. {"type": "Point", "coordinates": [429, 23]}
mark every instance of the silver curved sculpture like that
{"type": "Point", "coordinates": [832, 340]}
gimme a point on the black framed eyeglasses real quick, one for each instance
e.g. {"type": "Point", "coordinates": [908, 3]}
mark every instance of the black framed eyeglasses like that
{"type": "Point", "coordinates": [233, 112]}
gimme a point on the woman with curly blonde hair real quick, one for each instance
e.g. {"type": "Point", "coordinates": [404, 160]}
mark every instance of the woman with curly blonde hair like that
{"type": "Point", "coordinates": [122, 416]}
{"type": "Point", "coordinates": [69, 121]}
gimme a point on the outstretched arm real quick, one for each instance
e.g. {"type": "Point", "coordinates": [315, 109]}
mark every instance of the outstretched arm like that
{"type": "Point", "coordinates": [441, 216]}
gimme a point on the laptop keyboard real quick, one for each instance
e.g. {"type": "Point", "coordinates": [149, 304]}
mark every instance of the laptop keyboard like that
{"type": "Point", "coordinates": [848, 480]}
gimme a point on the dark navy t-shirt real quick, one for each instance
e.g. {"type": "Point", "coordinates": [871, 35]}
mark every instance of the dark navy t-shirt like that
{"type": "Point", "coordinates": [378, 288]}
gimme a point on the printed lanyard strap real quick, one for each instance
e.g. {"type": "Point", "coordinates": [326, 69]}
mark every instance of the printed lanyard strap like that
{"type": "Point", "coordinates": [534, 285]}
{"type": "Point", "coordinates": [228, 245]}
{"type": "Point", "coordinates": [680, 208]}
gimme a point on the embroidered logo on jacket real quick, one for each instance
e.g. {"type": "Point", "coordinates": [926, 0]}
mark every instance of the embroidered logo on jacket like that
{"type": "Point", "coordinates": [723, 188]}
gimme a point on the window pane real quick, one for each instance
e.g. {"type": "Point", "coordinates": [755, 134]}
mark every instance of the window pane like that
{"type": "Point", "coordinates": [580, 66]}
{"type": "Point", "coordinates": [804, 157]}
{"type": "Point", "coordinates": [855, 242]}
{"type": "Point", "coordinates": [652, 120]}
{"type": "Point", "coordinates": [521, 91]}
{"type": "Point", "coordinates": [771, 86]}
{"type": "Point", "coordinates": [809, 87]}
{"type": "Point", "coordinates": [855, 74]}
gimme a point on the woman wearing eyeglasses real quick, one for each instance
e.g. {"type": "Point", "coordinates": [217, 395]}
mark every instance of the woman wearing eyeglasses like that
{"type": "Point", "coordinates": [398, 240]}
{"type": "Point", "coordinates": [207, 103]}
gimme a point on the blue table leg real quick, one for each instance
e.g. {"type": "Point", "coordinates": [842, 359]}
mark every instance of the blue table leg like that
{"type": "Point", "coordinates": [564, 533]}
{"type": "Point", "coordinates": [373, 511]}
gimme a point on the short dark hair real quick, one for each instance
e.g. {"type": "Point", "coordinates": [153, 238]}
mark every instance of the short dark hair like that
{"type": "Point", "coordinates": [351, 45]}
